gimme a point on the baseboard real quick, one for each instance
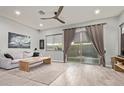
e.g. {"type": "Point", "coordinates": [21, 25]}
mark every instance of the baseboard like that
{"type": "Point", "coordinates": [109, 66]}
{"type": "Point", "coordinates": [58, 61]}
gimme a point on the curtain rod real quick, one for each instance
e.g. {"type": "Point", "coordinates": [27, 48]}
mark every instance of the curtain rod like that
{"type": "Point", "coordinates": [86, 25]}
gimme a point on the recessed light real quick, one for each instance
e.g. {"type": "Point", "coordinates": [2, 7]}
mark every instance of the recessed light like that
{"type": "Point", "coordinates": [41, 25]}
{"type": "Point", "coordinates": [17, 12]}
{"type": "Point", "coordinates": [97, 11]}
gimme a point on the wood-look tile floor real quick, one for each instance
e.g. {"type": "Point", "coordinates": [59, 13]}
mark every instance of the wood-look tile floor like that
{"type": "Point", "coordinates": [76, 74]}
{"type": "Point", "coordinates": [89, 75]}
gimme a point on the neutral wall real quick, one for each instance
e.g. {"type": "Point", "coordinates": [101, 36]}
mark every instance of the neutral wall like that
{"type": "Point", "coordinates": [111, 37]}
{"type": "Point", "coordinates": [121, 18]}
{"type": "Point", "coordinates": [7, 25]}
{"type": "Point", "coordinates": [120, 21]}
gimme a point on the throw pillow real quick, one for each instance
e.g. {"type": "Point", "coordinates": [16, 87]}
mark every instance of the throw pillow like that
{"type": "Point", "coordinates": [27, 54]}
{"type": "Point", "coordinates": [8, 56]}
{"type": "Point", "coordinates": [36, 54]}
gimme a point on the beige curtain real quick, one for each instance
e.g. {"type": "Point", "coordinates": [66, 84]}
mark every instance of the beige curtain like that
{"type": "Point", "coordinates": [96, 34]}
{"type": "Point", "coordinates": [68, 38]}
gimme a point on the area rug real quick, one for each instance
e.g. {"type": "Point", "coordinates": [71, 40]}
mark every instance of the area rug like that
{"type": "Point", "coordinates": [44, 73]}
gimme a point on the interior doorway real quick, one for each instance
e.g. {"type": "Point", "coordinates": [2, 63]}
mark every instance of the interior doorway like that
{"type": "Point", "coordinates": [82, 49]}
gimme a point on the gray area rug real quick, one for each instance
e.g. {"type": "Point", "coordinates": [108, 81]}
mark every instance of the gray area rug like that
{"type": "Point", "coordinates": [43, 73]}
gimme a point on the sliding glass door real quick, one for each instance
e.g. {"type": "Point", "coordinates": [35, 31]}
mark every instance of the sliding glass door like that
{"type": "Point", "coordinates": [88, 52]}
{"type": "Point", "coordinates": [82, 49]}
{"type": "Point", "coordinates": [74, 50]}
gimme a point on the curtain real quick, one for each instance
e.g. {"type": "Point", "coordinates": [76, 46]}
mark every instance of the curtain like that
{"type": "Point", "coordinates": [68, 38]}
{"type": "Point", "coordinates": [96, 34]}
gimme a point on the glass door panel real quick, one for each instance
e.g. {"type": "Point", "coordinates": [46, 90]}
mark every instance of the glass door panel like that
{"type": "Point", "coordinates": [74, 50]}
{"type": "Point", "coordinates": [88, 52]}
{"type": "Point", "coordinates": [82, 49]}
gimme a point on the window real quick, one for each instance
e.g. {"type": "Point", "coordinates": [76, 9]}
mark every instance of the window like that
{"type": "Point", "coordinates": [54, 42]}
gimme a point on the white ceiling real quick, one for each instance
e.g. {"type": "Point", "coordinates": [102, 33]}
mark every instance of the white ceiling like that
{"type": "Point", "coordinates": [70, 14]}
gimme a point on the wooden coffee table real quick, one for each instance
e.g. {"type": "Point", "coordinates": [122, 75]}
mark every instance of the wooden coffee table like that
{"type": "Point", "coordinates": [24, 64]}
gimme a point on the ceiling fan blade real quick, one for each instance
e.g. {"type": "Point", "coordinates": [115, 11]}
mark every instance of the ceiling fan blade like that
{"type": "Point", "coordinates": [59, 11]}
{"type": "Point", "coordinates": [46, 18]}
{"type": "Point", "coordinates": [60, 20]}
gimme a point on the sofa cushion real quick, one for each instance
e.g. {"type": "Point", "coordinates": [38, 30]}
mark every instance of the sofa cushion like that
{"type": "Point", "coordinates": [8, 56]}
{"type": "Point", "coordinates": [17, 54]}
{"type": "Point", "coordinates": [2, 55]}
{"type": "Point", "coordinates": [15, 61]}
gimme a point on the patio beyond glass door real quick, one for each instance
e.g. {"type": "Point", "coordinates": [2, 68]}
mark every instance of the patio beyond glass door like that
{"type": "Point", "coordinates": [82, 49]}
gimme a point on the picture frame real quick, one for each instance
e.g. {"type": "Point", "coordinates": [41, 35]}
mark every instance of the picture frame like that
{"type": "Point", "coordinates": [18, 41]}
{"type": "Point", "coordinates": [41, 44]}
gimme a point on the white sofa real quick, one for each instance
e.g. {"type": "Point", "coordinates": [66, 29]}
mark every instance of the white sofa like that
{"type": "Point", "coordinates": [7, 63]}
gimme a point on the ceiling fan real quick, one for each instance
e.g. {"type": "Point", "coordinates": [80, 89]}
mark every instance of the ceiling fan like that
{"type": "Point", "coordinates": [56, 15]}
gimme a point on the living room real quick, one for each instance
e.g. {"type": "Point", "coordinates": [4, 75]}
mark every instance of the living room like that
{"type": "Point", "coordinates": [35, 49]}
